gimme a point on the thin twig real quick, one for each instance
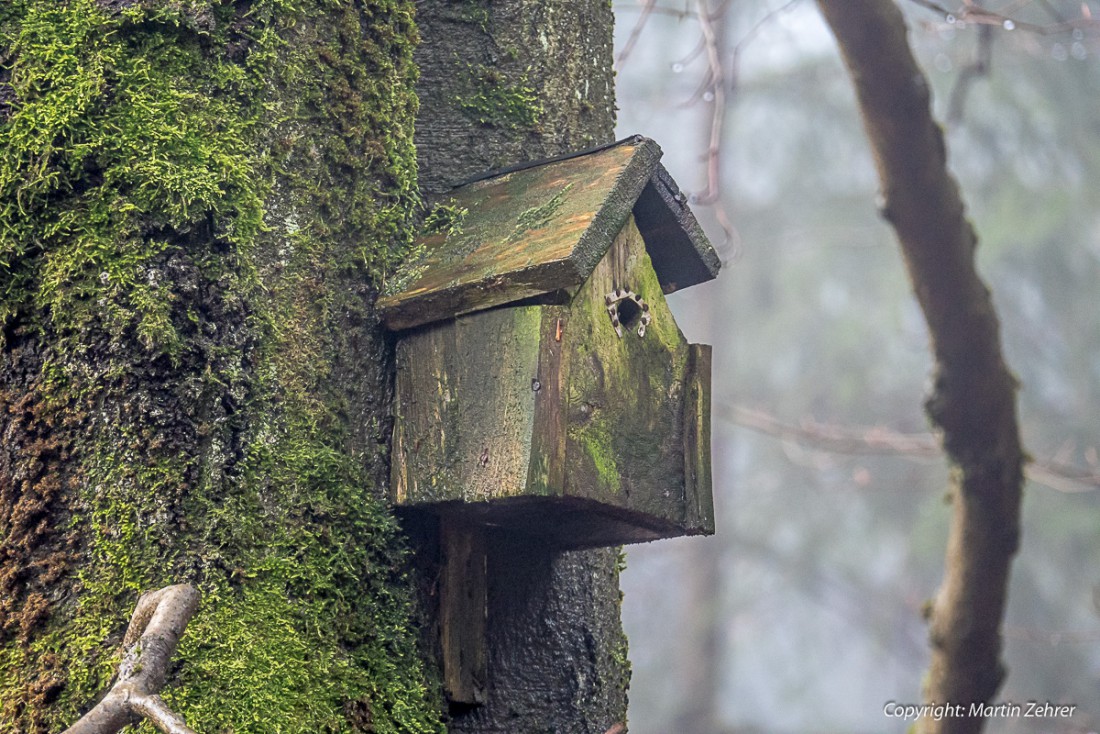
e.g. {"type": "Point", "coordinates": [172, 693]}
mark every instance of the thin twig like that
{"type": "Point", "coordinates": [717, 88]}
{"type": "Point", "coordinates": [971, 12]}
{"type": "Point", "coordinates": [635, 32]}
{"type": "Point", "coordinates": [979, 67]}
{"type": "Point", "coordinates": [1052, 473]}
{"type": "Point", "coordinates": [150, 642]}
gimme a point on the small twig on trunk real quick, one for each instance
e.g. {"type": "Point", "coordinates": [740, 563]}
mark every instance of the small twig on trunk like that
{"type": "Point", "coordinates": [150, 642]}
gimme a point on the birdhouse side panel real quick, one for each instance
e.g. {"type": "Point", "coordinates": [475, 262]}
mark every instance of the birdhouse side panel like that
{"type": "Point", "coordinates": [627, 374]}
{"type": "Point", "coordinates": [465, 408]}
{"type": "Point", "coordinates": [698, 491]}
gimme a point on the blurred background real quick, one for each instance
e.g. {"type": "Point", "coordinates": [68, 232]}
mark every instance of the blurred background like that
{"type": "Point", "coordinates": [803, 614]}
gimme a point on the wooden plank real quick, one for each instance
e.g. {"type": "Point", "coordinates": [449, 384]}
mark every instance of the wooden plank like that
{"type": "Point", "coordinates": [681, 253]}
{"type": "Point", "coordinates": [522, 234]}
{"type": "Point", "coordinates": [546, 475]}
{"type": "Point", "coordinates": [465, 408]}
{"type": "Point", "coordinates": [698, 493]}
{"type": "Point", "coordinates": [463, 596]}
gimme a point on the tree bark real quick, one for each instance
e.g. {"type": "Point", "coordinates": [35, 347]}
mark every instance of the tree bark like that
{"type": "Point", "coordinates": [196, 202]}
{"type": "Point", "coordinates": [973, 402]}
{"type": "Point", "coordinates": [504, 82]}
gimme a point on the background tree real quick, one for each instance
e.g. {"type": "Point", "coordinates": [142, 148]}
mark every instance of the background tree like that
{"type": "Point", "coordinates": [973, 400]}
{"type": "Point", "coordinates": [830, 499]}
{"type": "Point", "coordinates": [198, 201]}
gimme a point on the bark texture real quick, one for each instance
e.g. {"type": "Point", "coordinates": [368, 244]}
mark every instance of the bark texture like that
{"type": "Point", "coordinates": [973, 401]}
{"type": "Point", "coordinates": [504, 82]}
{"type": "Point", "coordinates": [196, 199]}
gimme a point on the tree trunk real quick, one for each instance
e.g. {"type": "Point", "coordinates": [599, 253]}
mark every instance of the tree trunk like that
{"type": "Point", "coordinates": [197, 201]}
{"type": "Point", "coordinates": [504, 82]}
{"type": "Point", "coordinates": [974, 396]}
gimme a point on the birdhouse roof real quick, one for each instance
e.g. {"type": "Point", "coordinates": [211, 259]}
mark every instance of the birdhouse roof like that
{"type": "Point", "coordinates": [542, 227]}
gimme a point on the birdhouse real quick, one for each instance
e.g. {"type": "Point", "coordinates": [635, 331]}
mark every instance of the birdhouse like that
{"type": "Point", "coordinates": [542, 383]}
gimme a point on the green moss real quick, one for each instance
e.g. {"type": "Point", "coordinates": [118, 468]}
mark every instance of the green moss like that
{"type": "Point", "coordinates": [195, 199]}
{"type": "Point", "coordinates": [597, 442]}
{"type": "Point", "coordinates": [475, 12]}
{"type": "Point", "coordinates": [538, 217]}
{"type": "Point", "coordinates": [445, 219]}
{"type": "Point", "coordinates": [489, 99]}
{"type": "Point", "coordinates": [113, 139]}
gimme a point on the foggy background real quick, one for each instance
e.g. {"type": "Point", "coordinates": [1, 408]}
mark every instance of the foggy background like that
{"type": "Point", "coordinates": [803, 614]}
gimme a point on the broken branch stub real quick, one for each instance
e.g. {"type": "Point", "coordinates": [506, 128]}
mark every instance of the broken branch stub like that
{"type": "Point", "coordinates": [150, 642]}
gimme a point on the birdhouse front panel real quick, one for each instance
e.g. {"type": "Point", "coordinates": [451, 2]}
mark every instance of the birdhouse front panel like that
{"type": "Point", "coordinates": [629, 372]}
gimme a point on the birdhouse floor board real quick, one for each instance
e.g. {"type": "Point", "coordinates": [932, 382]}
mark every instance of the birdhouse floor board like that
{"type": "Point", "coordinates": [563, 523]}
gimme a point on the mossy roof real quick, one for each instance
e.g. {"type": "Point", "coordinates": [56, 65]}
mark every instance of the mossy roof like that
{"type": "Point", "coordinates": [542, 227]}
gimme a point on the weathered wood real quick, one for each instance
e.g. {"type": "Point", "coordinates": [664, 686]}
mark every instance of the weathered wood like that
{"type": "Point", "coordinates": [544, 420]}
{"type": "Point", "coordinates": [547, 468]}
{"type": "Point", "coordinates": [520, 234]}
{"type": "Point", "coordinates": [625, 396]}
{"type": "Point", "coordinates": [680, 251]}
{"type": "Point", "coordinates": [698, 494]}
{"type": "Point", "coordinates": [463, 592]}
{"type": "Point", "coordinates": [465, 408]}
{"type": "Point", "coordinates": [544, 228]}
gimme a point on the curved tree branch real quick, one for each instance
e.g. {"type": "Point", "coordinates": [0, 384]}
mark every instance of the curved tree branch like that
{"type": "Point", "coordinates": [150, 642]}
{"type": "Point", "coordinates": [973, 402]}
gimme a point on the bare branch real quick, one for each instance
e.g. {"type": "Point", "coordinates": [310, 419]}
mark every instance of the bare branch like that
{"type": "Point", "coordinates": [717, 88]}
{"type": "Point", "coordinates": [150, 642]}
{"type": "Point", "coordinates": [979, 67]}
{"type": "Point", "coordinates": [972, 12]}
{"type": "Point", "coordinates": [882, 441]}
{"type": "Point", "coordinates": [836, 438]}
{"type": "Point", "coordinates": [635, 33]}
{"type": "Point", "coordinates": [934, 7]}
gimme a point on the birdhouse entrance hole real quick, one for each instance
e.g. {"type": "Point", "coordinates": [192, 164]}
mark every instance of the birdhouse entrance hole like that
{"type": "Point", "coordinates": [628, 311]}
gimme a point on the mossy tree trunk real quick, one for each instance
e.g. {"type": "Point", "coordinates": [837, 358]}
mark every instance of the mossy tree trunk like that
{"type": "Point", "coordinates": [197, 201]}
{"type": "Point", "coordinates": [503, 82]}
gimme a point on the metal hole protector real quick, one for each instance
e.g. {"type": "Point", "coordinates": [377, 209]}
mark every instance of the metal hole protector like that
{"type": "Point", "coordinates": [634, 304]}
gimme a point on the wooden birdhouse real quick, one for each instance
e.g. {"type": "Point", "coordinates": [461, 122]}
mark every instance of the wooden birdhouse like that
{"type": "Point", "coordinates": [542, 383]}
